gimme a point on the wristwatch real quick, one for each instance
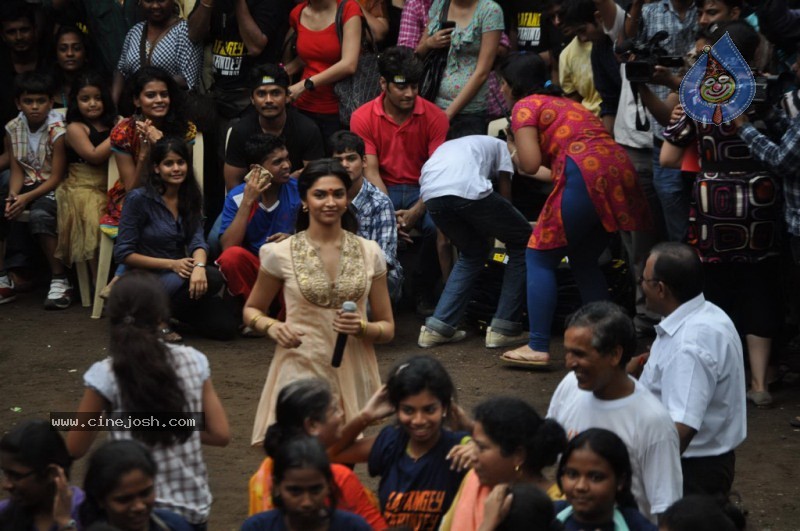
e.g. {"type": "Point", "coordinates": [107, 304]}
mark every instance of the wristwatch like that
{"type": "Point", "coordinates": [309, 84]}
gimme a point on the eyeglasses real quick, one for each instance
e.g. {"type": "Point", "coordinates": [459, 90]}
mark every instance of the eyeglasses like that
{"type": "Point", "coordinates": [654, 279]}
{"type": "Point", "coordinates": [16, 477]}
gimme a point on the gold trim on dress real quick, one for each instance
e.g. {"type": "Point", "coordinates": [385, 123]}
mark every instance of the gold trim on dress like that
{"type": "Point", "coordinates": [313, 281]}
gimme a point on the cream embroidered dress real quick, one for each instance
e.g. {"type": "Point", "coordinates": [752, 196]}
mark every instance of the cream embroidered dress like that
{"type": "Point", "coordinates": [312, 299]}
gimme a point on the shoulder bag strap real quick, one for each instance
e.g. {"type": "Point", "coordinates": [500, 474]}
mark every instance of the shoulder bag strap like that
{"type": "Point", "coordinates": [364, 28]}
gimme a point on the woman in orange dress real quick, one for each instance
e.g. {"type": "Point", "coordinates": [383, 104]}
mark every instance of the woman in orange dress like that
{"type": "Point", "coordinates": [595, 193]}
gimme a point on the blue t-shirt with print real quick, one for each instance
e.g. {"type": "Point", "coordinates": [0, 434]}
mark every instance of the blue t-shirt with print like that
{"type": "Point", "coordinates": [273, 521]}
{"type": "Point", "coordinates": [264, 222]}
{"type": "Point", "coordinates": [414, 493]}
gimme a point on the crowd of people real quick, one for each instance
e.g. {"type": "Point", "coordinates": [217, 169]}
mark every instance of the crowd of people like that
{"type": "Point", "coordinates": [307, 208]}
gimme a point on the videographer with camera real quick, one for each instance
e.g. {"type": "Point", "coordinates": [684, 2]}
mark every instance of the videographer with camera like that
{"type": "Point", "coordinates": [666, 29]}
{"type": "Point", "coordinates": [734, 221]}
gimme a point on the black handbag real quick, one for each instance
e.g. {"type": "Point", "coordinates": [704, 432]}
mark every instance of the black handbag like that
{"type": "Point", "coordinates": [434, 64]}
{"type": "Point", "coordinates": [363, 86]}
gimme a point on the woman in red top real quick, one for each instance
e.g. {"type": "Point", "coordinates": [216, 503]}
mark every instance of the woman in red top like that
{"type": "Point", "coordinates": [595, 193]}
{"type": "Point", "coordinates": [323, 60]}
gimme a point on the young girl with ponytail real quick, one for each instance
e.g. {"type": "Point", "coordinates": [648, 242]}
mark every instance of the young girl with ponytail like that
{"type": "Point", "coordinates": [143, 374]}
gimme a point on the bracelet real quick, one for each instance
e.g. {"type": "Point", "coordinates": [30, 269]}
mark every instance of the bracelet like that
{"type": "Point", "coordinates": [200, 264]}
{"type": "Point", "coordinates": [255, 320]}
{"type": "Point", "coordinates": [513, 153]}
{"type": "Point", "coordinates": [210, 6]}
{"type": "Point", "coordinates": [363, 328]}
{"type": "Point", "coordinates": [380, 332]}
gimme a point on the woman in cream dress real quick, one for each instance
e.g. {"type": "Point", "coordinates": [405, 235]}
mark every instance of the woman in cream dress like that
{"type": "Point", "coordinates": [319, 268]}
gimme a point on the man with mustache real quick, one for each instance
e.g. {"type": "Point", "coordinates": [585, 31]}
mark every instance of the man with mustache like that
{"type": "Point", "coordinates": [401, 131]}
{"type": "Point", "coordinates": [269, 95]}
{"type": "Point", "coordinates": [598, 393]}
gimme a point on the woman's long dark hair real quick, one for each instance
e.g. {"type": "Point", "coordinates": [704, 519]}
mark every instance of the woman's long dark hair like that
{"type": "Point", "coordinates": [308, 398]}
{"type": "Point", "coordinates": [610, 447]}
{"type": "Point", "coordinates": [59, 76]}
{"type": "Point", "coordinates": [91, 79]}
{"type": "Point", "coordinates": [190, 199]}
{"type": "Point", "coordinates": [106, 467]}
{"type": "Point", "coordinates": [175, 122]}
{"type": "Point", "coordinates": [526, 74]}
{"type": "Point", "coordinates": [315, 170]}
{"type": "Point", "coordinates": [512, 423]}
{"type": "Point", "coordinates": [36, 445]}
{"type": "Point", "coordinates": [141, 362]}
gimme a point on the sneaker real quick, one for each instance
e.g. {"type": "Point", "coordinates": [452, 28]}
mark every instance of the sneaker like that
{"type": "Point", "coordinates": [60, 295]}
{"type": "Point", "coordinates": [7, 291]}
{"type": "Point", "coordinates": [429, 338]}
{"type": "Point", "coordinates": [497, 340]}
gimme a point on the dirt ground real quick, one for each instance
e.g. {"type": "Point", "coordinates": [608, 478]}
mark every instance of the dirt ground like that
{"type": "Point", "coordinates": [43, 356]}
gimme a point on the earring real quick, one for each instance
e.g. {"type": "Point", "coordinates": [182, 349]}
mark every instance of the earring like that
{"type": "Point", "coordinates": [516, 468]}
{"type": "Point", "coordinates": [305, 208]}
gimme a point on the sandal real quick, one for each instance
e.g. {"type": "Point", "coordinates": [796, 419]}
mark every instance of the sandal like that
{"type": "Point", "coordinates": [760, 398]}
{"type": "Point", "coordinates": [171, 336]}
{"type": "Point", "coordinates": [524, 357]}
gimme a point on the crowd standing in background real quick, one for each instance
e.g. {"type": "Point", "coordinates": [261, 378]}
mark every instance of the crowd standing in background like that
{"type": "Point", "coordinates": [512, 138]}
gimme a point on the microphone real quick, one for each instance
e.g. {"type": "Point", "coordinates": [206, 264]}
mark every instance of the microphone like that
{"type": "Point", "coordinates": [341, 339]}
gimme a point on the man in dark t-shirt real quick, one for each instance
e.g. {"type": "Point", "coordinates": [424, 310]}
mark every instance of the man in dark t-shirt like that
{"type": "Point", "coordinates": [269, 96]}
{"type": "Point", "coordinates": [528, 24]}
{"type": "Point", "coordinates": [242, 34]}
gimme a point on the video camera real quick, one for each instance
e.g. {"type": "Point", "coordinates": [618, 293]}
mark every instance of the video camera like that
{"type": "Point", "coordinates": [648, 55]}
{"type": "Point", "coordinates": [770, 88]}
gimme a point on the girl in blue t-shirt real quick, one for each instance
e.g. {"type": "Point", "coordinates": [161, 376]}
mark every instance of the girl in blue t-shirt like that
{"type": "Point", "coordinates": [304, 492]}
{"type": "Point", "coordinates": [419, 461]}
{"type": "Point", "coordinates": [595, 476]}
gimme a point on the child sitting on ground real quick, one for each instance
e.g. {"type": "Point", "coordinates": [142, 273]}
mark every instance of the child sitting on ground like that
{"type": "Point", "coordinates": [35, 141]}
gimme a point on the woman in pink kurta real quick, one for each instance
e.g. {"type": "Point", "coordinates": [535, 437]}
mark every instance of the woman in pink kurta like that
{"type": "Point", "coordinates": [595, 193]}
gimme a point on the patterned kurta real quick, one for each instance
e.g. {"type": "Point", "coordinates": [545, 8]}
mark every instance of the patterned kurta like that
{"type": "Point", "coordinates": [736, 207]}
{"type": "Point", "coordinates": [567, 129]}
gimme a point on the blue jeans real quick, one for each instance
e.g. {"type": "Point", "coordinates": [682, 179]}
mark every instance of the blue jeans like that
{"type": "Point", "coordinates": [472, 226]}
{"type": "Point", "coordinates": [673, 196]}
{"type": "Point", "coordinates": [586, 241]}
{"type": "Point", "coordinates": [426, 271]}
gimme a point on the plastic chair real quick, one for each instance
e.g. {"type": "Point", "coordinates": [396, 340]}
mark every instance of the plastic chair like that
{"type": "Point", "coordinates": [107, 244]}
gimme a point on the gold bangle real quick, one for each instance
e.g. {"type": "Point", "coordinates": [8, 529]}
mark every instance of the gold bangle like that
{"type": "Point", "coordinates": [270, 323]}
{"type": "Point", "coordinates": [363, 328]}
{"type": "Point", "coordinates": [255, 320]}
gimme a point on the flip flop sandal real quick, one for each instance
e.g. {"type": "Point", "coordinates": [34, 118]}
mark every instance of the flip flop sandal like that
{"type": "Point", "coordinates": [171, 336]}
{"type": "Point", "coordinates": [527, 364]}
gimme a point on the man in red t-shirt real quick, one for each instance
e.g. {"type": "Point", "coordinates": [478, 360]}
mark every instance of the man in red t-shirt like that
{"type": "Point", "coordinates": [401, 131]}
